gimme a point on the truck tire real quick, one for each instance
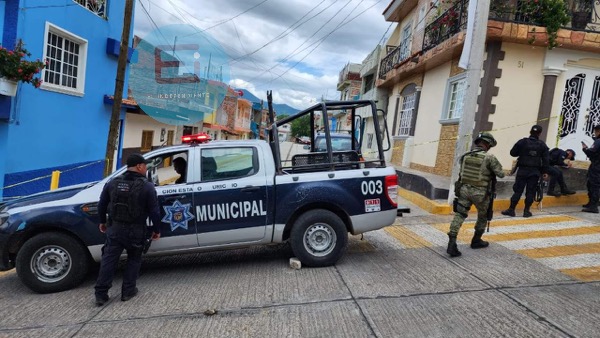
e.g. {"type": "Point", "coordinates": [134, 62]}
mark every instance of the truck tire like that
{"type": "Point", "coordinates": [318, 238]}
{"type": "Point", "coordinates": [52, 262]}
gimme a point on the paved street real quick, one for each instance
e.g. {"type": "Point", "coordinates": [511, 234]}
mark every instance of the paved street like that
{"type": "Point", "coordinates": [538, 278]}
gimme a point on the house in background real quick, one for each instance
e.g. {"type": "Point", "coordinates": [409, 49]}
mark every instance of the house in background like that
{"type": "Point", "coordinates": [64, 124]}
{"type": "Point", "coordinates": [523, 82]}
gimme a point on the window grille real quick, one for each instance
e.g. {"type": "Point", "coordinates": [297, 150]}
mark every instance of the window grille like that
{"type": "Point", "coordinates": [406, 114]}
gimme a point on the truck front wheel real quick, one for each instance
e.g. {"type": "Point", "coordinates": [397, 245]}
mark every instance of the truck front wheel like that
{"type": "Point", "coordinates": [318, 238]}
{"type": "Point", "coordinates": [52, 262]}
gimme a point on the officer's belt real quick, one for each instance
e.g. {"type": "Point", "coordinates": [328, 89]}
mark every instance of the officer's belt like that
{"type": "Point", "coordinates": [127, 225]}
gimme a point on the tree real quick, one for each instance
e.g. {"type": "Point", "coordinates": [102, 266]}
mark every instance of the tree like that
{"type": "Point", "coordinates": [301, 126]}
{"type": "Point", "coordinates": [281, 117]}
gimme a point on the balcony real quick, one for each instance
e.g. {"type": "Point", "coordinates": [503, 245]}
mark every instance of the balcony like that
{"type": "Point", "coordinates": [449, 23]}
{"type": "Point", "coordinates": [351, 72]}
{"type": "Point", "coordinates": [584, 14]}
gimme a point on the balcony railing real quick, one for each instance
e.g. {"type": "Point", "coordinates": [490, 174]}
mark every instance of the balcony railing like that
{"type": "Point", "coordinates": [395, 57]}
{"type": "Point", "coordinates": [449, 23]}
{"type": "Point", "coordinates": [97, 7]}
{"type": "Point", "coordinates": [585, 14]}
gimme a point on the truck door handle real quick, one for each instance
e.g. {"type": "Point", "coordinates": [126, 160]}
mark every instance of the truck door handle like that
{"type": "Point", "coordinates": [250, 189]}
{"type": "Point", "coordinates": [172, 198]}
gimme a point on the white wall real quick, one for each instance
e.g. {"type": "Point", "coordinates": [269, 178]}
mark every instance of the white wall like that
{"type": "Point", "coordinates": [136, 123]}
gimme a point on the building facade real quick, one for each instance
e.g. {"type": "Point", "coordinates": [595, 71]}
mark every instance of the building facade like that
{"type": "Point", "coordinates": [523, 81]}
{"type": "Point", "coordinates": [63, 125]}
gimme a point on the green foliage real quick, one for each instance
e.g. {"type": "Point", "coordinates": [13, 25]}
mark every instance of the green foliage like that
{"type": "Point", "coordinates": [552, 14]}
{"type": "Point", "coordinates": [14, 67]}
{"type": "Point", "coordinates": [301, 126]}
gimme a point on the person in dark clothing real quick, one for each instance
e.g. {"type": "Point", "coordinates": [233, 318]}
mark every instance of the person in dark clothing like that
{"type": "Point", "coordinates": [593, 174]}
{"type": "Point", "coordinates": [129, 200]}
{"type": "Point", "coordinates": [180, 166]}
{"type": "Point", "coordinates": [559, 158]}
{"type": "Point", "coordinates": [532, 162]}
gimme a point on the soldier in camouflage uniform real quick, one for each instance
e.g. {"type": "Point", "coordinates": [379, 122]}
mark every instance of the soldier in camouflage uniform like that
{"type": "Point", "coordinates": [477, 169]}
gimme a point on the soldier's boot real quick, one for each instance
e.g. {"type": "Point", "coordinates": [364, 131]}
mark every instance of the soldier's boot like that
{"type": "Point", "coordinates": [526, 212]}
{"type": "Point", "coordinates": [452, 247]}
{"type": "Point", "coordinates": [477, 242]}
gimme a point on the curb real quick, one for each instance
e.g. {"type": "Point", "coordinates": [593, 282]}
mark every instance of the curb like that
{"type": "Point", "coordinates": [437, 208]}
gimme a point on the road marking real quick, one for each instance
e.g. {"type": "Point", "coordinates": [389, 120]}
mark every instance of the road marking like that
{"type": "Point", "coordinates": [587, 274]}
{"type": "Point", "coordinates": [561, 250]}
{"type": "Point", "coordinates": [534, 243]}
{"type": "Point", "coordinates": [564, 243]}
{"type": "Point", "coordinates": [406, 237]}
{"type": "Point", "coordinates": [572, 262]}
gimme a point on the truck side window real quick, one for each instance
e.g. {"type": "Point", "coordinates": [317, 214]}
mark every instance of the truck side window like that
{"type": "Point", "coordinates": [228, 163]}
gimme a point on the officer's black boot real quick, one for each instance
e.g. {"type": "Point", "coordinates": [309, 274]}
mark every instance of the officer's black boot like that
{"type": "Point", "coordinates": [477, 242]}
{"type": "Point", "coordinates": [510, 211]}
{"type": "Point", "coordinates": [591, 207]}
{"type": "Point", "coordinates": [566, 191]}
{"type": "Point", "coordinates": [551, 191]}
{"type": "Point", "coordinates": [526, 212]}
{"type": "Point", "coordinates": [452, 247]}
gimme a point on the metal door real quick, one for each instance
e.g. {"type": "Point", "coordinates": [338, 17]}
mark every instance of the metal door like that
{"type": "Point", "coordinates": [580, 110]}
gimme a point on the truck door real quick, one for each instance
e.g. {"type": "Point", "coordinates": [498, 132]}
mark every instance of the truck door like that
{"type": "Point", "coordinates": [175, 196]}
{"type": "Point", "coordinates": [231, 199]}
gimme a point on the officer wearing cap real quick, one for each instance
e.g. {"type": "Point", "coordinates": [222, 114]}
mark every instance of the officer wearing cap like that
{"type": "Point", "coordinates": [477, 170]}
{"type": "Point", "coordinates": [129, 200]}
{"type": "Point", "coordinates": [593, 174]}
{"type": "Point", "coordinates": [532, 162]}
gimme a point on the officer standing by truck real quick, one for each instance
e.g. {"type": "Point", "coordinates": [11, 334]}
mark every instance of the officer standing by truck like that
{"type": "Point", "coordinates": [129, 199]}
{"type": "Point", "coordinates": [593, 174]}
{"type": "Point", "coordinates": [477, 170]}
{"type": "Point", "coordinates": [532, 162]}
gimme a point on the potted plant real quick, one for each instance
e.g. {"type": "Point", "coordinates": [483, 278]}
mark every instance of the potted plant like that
{"type": "Point", "coordinates": [14, 68]}
{"type": "Point", "coordinates": [581, 13]}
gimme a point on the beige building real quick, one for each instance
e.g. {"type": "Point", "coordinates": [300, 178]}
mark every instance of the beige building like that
{"type": "Point", "coordinates": [523, 82]}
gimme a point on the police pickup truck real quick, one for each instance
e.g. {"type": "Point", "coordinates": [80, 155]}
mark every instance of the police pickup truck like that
{"type": "Point", "coordinates": [235, 194]}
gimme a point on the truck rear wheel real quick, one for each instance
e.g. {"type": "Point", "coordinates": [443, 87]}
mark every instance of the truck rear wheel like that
{"type": "Point", "coordinates": [319, 238]}
{"type": "Point", "coordinates": [52, 262]}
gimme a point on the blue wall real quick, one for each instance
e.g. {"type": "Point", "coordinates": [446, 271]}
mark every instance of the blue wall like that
{"type": "Point", "coordinates": [56, 131]}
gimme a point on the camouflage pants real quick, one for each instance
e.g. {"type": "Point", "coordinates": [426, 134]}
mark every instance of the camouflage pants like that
{"type": "Point", "coordinates": [468, 196]}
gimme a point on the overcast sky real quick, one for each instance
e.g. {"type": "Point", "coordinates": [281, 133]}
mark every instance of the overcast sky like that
{"type": "Point", "coordinates": [296, 48]}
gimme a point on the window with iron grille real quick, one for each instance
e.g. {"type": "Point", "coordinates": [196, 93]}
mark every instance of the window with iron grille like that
{"type": "Point", "coordinates": [406, 114]}
{"type": "Point", "coordinates": [369, 140]}
{"type": "Point", "coordinates": [65, 54]}
{"type": "Point", "coordinates": [97, 7]}
{"type": "Point", "coordinates": [454, 98]}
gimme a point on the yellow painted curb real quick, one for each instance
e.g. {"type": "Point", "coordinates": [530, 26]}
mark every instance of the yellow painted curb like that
{"type": "Point", "coordinates": [437, 208]}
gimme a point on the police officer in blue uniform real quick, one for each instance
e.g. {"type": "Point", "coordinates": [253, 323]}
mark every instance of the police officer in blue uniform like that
{"type": "Point", "coordinates": [129, 199]}
{"type": "Point", "coordinates": [557, 159]}
{"type": "Point", "coordinates": [532, 162]}
{"type": "Point", "coordinates": [593, 174]}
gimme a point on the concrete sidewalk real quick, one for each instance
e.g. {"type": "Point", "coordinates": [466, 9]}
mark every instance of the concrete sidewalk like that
{"type": "Point", "coordinates": [443, 207]}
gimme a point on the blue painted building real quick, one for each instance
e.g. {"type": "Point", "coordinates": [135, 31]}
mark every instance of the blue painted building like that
{"type": "Point", "coordinates": [64, 124]}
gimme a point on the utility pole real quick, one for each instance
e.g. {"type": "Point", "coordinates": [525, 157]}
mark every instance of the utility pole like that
{"type": "Point", "coordinates": [475, 66]}
{"type": "Point", "coordinates": [111, 144]}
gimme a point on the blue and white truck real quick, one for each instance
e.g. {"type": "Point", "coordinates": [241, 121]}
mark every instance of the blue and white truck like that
{"type": "Point", "coordinates": [236, 194]}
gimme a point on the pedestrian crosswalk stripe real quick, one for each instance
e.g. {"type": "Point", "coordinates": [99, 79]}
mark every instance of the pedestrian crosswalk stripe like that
{"type": "Point", "coordinates": [406, 237]}
{"type": "Point", "coordinates": [543, 234]}
{"type": "Point", "coordinates": [534, 243]}
{"type": "Point", "coordinates": [561, 250]}
{"type": "Point", "coordinates": [587, 274]}
{"type": "Point", "coordinates": [571, 262]}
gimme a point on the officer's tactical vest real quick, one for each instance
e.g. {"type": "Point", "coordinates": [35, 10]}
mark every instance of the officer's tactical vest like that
{"type": "Point", "coordinates": [125, 200]}
{"type": "Point", "coordinates": [472, 170]}
{"type": "Point", "coordinates": [531, 154]}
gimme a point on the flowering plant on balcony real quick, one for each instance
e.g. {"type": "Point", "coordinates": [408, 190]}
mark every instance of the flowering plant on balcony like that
{"type": "Point", "coordinates": [552, 14]}
{"type": "Point", "coordinates": [14, 67]}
